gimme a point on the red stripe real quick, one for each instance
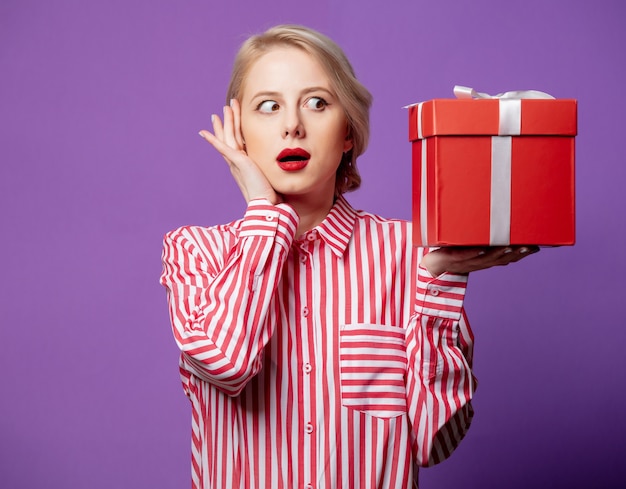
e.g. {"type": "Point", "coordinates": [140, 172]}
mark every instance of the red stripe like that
{"type": "Point", "coordinates": [390, 383]}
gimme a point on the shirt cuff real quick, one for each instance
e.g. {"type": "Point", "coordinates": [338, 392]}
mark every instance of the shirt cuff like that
{"type": "Point", "coordinates": [441, 296]}
{"type": "Point", "coordinates": [262, 218]}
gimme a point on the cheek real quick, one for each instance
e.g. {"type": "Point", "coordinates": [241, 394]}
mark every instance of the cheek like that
{"type": "Point", "coordinates": [340, 132]}
{"type": "Point", "coordinates": [257, 142]}
{"type": "Point", "coordinates": [249, 135]}
{"type": "Point", "coordinates": [254, 130]}
{"type": "Point", "coordinates": [244, 131]}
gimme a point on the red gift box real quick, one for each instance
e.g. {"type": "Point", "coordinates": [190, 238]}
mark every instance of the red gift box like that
{"type": "Point", "coordinates": [493, 172]}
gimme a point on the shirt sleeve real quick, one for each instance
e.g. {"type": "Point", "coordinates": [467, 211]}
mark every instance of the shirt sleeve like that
{"type": "Point", "coordinates": [219, 292]}
{"type": "Point", "coordinates": [440, 383]}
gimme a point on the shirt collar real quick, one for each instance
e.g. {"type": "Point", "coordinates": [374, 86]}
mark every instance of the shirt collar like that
{"type": "Point", "coordinates": [336, 229]}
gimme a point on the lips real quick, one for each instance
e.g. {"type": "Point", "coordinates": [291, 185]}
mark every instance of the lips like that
{"type": "Point", "coordinates": [293, 159]}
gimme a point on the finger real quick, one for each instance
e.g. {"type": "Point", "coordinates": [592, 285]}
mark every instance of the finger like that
{"type": "Point", "coordinates": [462, 253]}
{"type": "Point", "coordinates": [503, 253]}
{"type": "Point", "coordinates": [218, 129]}
{"type": "Point", "coordinates": [229, 130]}
{"type": "Point", "coordinates": [486, 257]}
{"type": "Point", "coordinates": [236, 108]}
{"type": "Point", "coordinates": [229, 154]}
{"type": "Point", "coordinates": [523, 252]}
{"type": "Point", "coordinates": [516, 253]}
{"type": "Point", "coordinates": [226, 151]}
{"type": "Point", "coordinates": [482, 254]}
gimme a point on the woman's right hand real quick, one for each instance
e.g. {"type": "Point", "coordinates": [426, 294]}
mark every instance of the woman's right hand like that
{"type": "Point", "coordinates": [227, 139]}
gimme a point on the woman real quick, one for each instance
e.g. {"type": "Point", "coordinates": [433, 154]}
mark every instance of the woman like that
{"type": "Point", "coordinates": [319, 348]}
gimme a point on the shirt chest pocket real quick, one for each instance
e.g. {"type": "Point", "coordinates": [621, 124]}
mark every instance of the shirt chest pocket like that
{"type": "Point", "coordinates": [373, 366]}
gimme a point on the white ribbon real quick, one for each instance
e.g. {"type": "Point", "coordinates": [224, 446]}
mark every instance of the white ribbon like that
{"type": "Point", "coordinates": [424, 195]}
{"type": "Point", "coordinates": [500, 202]}
{"type": "Point", "coordinates": [419, 120]}
{"type": "Point", "coordinates": [510, 107]}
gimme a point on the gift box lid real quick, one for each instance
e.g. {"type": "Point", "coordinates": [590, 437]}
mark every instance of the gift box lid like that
{"type": "Point", "coordinates": [481, 117]}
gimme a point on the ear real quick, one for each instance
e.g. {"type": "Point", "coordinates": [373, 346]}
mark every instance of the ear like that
{"type": "Point", "coordinates": [348, 143]}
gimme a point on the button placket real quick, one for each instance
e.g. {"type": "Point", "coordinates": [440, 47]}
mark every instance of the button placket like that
{"type": "Point", "coordinates": [305, 252]}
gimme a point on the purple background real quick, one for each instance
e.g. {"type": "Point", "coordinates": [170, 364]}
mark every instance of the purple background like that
{"type": "Point", "coordinates": [100, 103]}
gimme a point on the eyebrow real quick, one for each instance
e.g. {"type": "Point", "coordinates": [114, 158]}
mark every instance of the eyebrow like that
{"type": "Point", "coordinates": [304, 92]}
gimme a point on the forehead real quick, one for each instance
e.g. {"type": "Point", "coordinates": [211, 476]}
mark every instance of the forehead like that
{"type": "Point", "coordinates": [285, 68]}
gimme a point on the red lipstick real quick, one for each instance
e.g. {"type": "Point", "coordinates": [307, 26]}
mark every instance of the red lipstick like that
{"type": "Point", "coordinates": [293, 159]}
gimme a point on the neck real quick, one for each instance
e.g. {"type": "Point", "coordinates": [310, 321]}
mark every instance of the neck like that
{"type": "Point", "coordinates": [311, 211]}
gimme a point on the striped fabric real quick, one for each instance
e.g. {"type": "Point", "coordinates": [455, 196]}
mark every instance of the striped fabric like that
{"type": "Point", "coordinates": [328, 361]}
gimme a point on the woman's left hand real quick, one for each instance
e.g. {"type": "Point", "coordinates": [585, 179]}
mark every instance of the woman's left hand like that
{"type": "Point", "coordinates": [460, 260]}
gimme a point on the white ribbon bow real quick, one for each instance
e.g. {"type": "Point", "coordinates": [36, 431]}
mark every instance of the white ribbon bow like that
{"type": "Point", "coordinates": [467, 92]}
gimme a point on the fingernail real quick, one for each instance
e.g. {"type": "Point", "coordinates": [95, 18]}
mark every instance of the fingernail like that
{"type": "Point", "coordinates": [232, 100]}
{"type": "Point", "coordinates": [481, 253]}
{"type": "Point", "coordinates": [523, 250]}
{"type": "Point", "coordinates": [212, 118]}
{"type": "Point", "coordinates": [200, 134]}
{"type": "Point", "coordinates": [507, 250]}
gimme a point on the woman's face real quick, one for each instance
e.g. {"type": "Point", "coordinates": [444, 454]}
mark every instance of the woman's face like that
{"type": "Point", "coordinates": [293, 124]}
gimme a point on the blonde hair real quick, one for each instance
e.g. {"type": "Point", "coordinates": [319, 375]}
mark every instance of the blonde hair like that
{"type": "Point", "coordinates": [352, 95]}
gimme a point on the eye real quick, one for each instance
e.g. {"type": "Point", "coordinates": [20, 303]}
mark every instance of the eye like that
{"type": "Point", "coordinates": [316, 103]}
{"type": "Point", "coordinates": [268, 106]}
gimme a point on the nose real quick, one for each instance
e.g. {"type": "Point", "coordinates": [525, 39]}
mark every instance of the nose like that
{"type": "Point", "coordinates": [293, 124]}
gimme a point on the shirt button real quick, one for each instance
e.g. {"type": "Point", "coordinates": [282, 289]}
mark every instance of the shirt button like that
{"type": "Point", "coordinates": [308, 428]}
{"type": "Point", "coordinates": [309, 486]}
{"type": "Point", "coordinates": [308, 368]}
{"type": "Point", "coordinates": [305, 311]}
{"type": "Point", "coordinates": [303, 258]}
{"type": "Point", "coordinates": [311, 236]}
{"type": "Point", "coordinates": [269, 217]}
{"type": "Point", "coordinates": [435, 291]}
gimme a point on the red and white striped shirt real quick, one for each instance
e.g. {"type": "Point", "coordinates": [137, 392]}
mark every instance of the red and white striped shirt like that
{"type": "Point", "coordinates": [328, 361]}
